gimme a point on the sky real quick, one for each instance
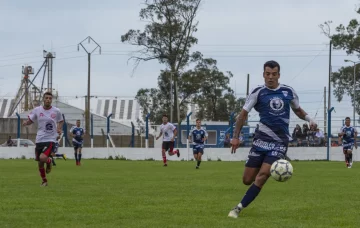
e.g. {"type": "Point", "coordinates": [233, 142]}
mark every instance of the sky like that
{"type": "Point", "coordinates": [240, 35]}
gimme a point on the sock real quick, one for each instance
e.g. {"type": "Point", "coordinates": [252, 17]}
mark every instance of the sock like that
{"type": "Point", "coordinates": [59, 155]}
{"type": "Point", "coordinates": [79, 157]}
{"type": "Point", "coordinates": [76, 157]}
{"type": "Point", "coordinates": [48, 161]}
{"type": "Point", "coordinates": [175, 151]}
{"type": "Point", "coordinates": [53, 162]}
{"type": "Point", "coordinates": [198, 162]}
{"type": "Point", "coordinates": [350, 157]}
{"type": "Point", "coordinates": [250, 195]}
{"type": "Point", "coordinates": [42, 174]}
{"type": "Point", "coordinates": [164, 159]}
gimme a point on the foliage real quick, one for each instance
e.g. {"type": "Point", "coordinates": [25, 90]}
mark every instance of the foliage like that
{"type": "Point", "coordinates": [345, 38]}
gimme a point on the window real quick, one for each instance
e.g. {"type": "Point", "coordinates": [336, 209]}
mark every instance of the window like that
{"type": "Point", "coordinates": [212, 137]}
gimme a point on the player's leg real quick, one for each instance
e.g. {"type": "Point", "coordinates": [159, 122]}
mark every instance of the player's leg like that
{"type": "Point", "coordinates": [79, 153]}
{"type": "Point", "coordinates": [350, 155]}
{"type": "Point", "coordinates": [45, 156]}
{"type": "Point", "coordinates": [195, 153]}
{"type": "Point", "coordinates": [52, 158]}
{"type": "Point", "coordinates": [346, 157]}
{"type": "Point", "coordinates": [252, 169]}
{"type": "Point", "coordinates": [172, 151]}
{"type": "Point", "coordinates": [165, 147]}
{"type": "Point", "coordinates": [38, 149]}
{"type": "Point", "coordinates": [200, 153]}
{"type": "Point", "coordinates": [76, 152]}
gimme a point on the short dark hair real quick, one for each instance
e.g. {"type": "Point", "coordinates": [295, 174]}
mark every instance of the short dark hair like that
{"type": "Point", "coordinates": [272, 64]}
{"type": "Point", "coordinates": [165, 115]}
{"type": "Point", "coordinates": [47, 93]}
{"type": "Point", "coordinates": [197, 120]}
{"type": "Point", "coordinates": [347, 118]}
{"type": "Point", "coordinates": [78, 120]}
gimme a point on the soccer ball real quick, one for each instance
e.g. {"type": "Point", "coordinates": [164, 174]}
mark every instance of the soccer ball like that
{"type": "Point", "coordinates": [281, 170]}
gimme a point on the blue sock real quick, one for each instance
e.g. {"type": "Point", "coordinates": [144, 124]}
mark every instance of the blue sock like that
{"type": "Point", "coordinates": [79, 157]}
{"type": "Point", "coordinates": [250, 195]}
{"type": "Point", "coordinates": [59, 155]}
{"type": "Point", "coordinates": [76, 156]}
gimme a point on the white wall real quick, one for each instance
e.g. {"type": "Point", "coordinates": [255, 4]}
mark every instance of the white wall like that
{"type": "Point", "coordinates": [299, 153]}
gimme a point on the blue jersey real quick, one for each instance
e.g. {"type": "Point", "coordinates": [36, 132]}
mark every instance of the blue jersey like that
{"type": "Point", "coordinates": [78, 132]}
{"type": "Point", "coordinates": [349, 135]}
{"type": "Point", "coordinates": [274, 107]}
{"type": "Point", "coordinates": [198, 135]}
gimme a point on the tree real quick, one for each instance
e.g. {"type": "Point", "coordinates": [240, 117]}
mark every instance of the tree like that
{"type": "Point", "coordinates": [345, 38]}
{"type": "Point", "coordinates": [167, 37]}
{"type": "Point", "coordinates": [343, 82]}
{"type": "Point", "coordinates": [216, 100]}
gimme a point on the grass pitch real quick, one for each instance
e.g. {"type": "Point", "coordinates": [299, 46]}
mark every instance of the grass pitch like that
{"type": "Point", "coordinates": [111, 193]}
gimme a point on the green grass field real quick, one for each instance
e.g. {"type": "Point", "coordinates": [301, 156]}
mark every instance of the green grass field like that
{"type": "Point", "coordinates": [113, 193]}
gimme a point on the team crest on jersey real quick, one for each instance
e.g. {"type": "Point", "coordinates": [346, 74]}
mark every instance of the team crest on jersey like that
{"type": "Point", "coordinates": [53, 115]}
{"type": "Point", "coordinates": [285, 93]}
{"type": "Point", "coordinates": [41, 114]}
{"type": "Point", "coordinates": [276, 104]}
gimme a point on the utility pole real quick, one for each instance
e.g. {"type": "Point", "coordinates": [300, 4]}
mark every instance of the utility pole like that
{"type": "Point", "coordinates": [87, 108]}
{"type": "Point", "coordinates": [329, 85]}
{"type": "Point", "coordinates": [247, 86]}
{"type": "Point", "coordinates": [325, 109]}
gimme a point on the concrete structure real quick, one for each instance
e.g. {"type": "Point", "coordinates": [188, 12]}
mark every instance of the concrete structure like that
{"type": "Point", "coordinates": [213, 154]}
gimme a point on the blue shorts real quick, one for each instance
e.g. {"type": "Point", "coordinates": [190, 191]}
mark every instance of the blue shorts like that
{"type": "Point", "coordinates": [348, 146]}
{"type": "Point", "coordinates": [264, 152]}
{"type": "Point", "coordinates": [199, 148]}
{"type": "Point", "coordinates": [77, 145]}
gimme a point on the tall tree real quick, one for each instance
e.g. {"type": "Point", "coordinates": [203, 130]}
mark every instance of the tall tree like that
{"type": "Point", "coordinates": [346, 38]}
{"type": "Point", "coordinates": [168, 36]}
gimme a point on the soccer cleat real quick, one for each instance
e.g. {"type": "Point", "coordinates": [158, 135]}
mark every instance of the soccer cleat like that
{"type": "Point", "coordinates": [197, 167]}
{"type": "Point", "coordinates": [234, 213]}
{"type": "Point", "coordinates": [64, 156]}
{"type": "Point", "coordinates": [165, 164]}
{"type": "Point", "coordinates": [44, 184]}
{"type": "Point", "coordinates": [48, 167]}
{"type": "Point", "coordinates": [178, 152]}
{"type": "Point", "coordinates": [77, 163]}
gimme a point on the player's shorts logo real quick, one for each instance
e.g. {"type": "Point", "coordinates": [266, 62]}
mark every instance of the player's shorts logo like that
{"type": "Point", "coordinates": [49, 128]}
{"type": "Point", "coordinates": [276, 104]}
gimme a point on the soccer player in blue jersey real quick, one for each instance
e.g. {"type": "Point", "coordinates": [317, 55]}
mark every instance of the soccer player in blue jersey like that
{"type": "Point", "coordinates": [348, 135]}
{"type": "Point", "coordinates": [77, 133]}
{"type": "Point", "coordinates": [273, 101]}
{"type": "Point", "coordinates": [198, 136]}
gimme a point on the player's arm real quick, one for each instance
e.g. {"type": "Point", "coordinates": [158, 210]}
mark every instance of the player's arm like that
{"type": "Point", "coordinates": [240, 122]}
{"type": "Point", "coordinates": [205, 136]}
{"type": "Point", "coordinates": [295, 106]}
{"type": "Point", "coordinates": [60, 122]}
{"type": "Point", "coordinates": [175, 133]}
{"type": "Point", "coordinates": [355, 138]}
{"type": "Point", "coordinates": [159, 135]}
{"type": "Point", "coordinates": [31, 118]}
{"type": "Point", "coordinates": [190, 135]}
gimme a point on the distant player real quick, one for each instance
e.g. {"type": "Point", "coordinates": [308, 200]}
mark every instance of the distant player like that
{"type": "Point", "coordinates": [55, 152]}
{"type": "Point", "coordinates": [77, 133]}
{"type": "Point", "coordinates": [169, 132]}
{"type": "Point", "coordinates": [347, 136]}
{"type": "Point", "coordinates": [50, 121]}
{"type": "Point", "coordinates": [273, 102]}
{"type": "Point", "coordinates": [198, 136]}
